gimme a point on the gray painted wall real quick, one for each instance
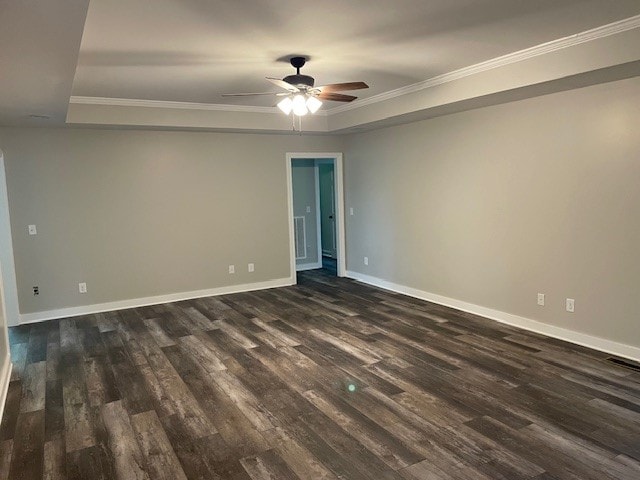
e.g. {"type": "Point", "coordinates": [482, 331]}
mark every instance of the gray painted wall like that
{"type": "Point", "coordinates": [140, 213]}
{"type": "Point", "coordinates": [489, 207]}
{"type": "Point", "coordinates": [304, 195]}
{"type": "Point", "coordinates": [495, 205]}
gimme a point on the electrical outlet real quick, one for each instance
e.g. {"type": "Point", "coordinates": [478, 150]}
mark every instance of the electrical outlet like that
{"type": "Point", "coordinates": [366, 260]}
{"type": "Point", "coordinates": [33, 230]}
{"type": "Point", "coordinates": [36, 290]}
{"type": "Point", "coordinates": [351, 211]}
{"type": "Point", "coordinates": [251, 267]}
{"type": "Point", "coordinates": [232, 269]}
{"type": "Point", "coordinates": [571, 305]}
{"type": "Point", "coordinates": [82, 287]}
{"type": "Point", "coordinates": [308, 209]}
{"type": "Point", "coordinates": [541, 299]}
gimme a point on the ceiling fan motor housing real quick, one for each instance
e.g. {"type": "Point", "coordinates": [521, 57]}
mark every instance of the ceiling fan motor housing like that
{"type": "Point", "coordinates": [299, 80]}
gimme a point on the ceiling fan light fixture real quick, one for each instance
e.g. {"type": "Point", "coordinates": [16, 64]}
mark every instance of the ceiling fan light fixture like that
{"type": "Point", "coordinates": [301, 97]}
{"type": "Point", "coordinates": [286, 105]}
{"type": "Point", "coordinates": [299, 105]}
{"type": "Point", "coordinates": [313, 104]}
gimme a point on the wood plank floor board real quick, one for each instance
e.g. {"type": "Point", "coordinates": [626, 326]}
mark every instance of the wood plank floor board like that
{"type": "Point", "coordinates": [539, 453]}
{"type": "Point", "coordinates": [266, 466]}
{"type": "Point", "coordinates": [53, 357]}
{"type": "Point", "coordinates": [38, 340]}
{"type": "Point", "coordinates": [158, 333]}
{"type": "Point", "coordinates": [232, 424]}
{"type": "Point", "coordinates": [28, 446]}
{"type": "Point", "coordinates": [598, 457]}
{"type": "Point", "coordinates": [90, 462]}
{"type": "Point", "coordinates": [330, 379]}
{"type": "Point", "coordinates": [205, 356]}
{"type": "Point", "coordinates": [101, 382]}
{"type": "Point", "coordinates": [300, 460]}
{"type": "Point", "coordinates": [187, 448]}
{"type": "Point", "coordinates": [365, 461]}
{"type": "Point", "coordinates": [129, 462]}
{"type": "Point", "coordinates": [19, 334]}
{"type": "Point", "coordinates": [18, 359]}
{"type": "Point", "coordinates": [160, 458]}
{"type": "Point", "coordinates": [6, 449]}
{"type": "Point", "coordinates": [79, 432]}
{"type": "Point", "coordinates": [317, 443]}
{"type": "Point", "coordinates": [254, 374]}
{"type": "Point", "coordinates": [371, 435]}
{"type": "Point", "coordinates": [11, 410]}
{"type": "Point", "coordinates": [54, 408]}
{"type": "Point", "coordinates": [54, 460]}
{"type": "Point", "coordinates": [131, 385]}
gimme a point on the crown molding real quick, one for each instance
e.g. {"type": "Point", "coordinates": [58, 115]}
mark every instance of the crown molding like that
{"type": "Point", "coordinates": [508, 59]}
{"type": "Point", "coordinates": [133, 102]}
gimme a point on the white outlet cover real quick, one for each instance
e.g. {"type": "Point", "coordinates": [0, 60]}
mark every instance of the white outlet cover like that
{"type": "Point", "coordinates": [571, 305]}
{"type": "Point", "coordinates": [251, 267]}
{"type": "Point", "coordinates": [366, 260]}
{"type": "Point", "coordinates": [541, 299]}
{"type": "Point", "coordinates": [232, 269]}
{"type": "Point", "coordinates": [33, 230]}
{"type": "Point", "coordinates": [82, 287]}
{"type": "Point", "coordinates": [351, 211]}
{"type": "Point", "coordinates": [308, 209]}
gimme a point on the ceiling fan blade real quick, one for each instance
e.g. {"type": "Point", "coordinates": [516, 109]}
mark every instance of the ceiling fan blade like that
{"type": "Point", "coordinates": [340, 87]}
{"type": "Point", "coordinates": [336, 97]}
{"type": "Point", "coordinates": [248, 94]}
{"type": "Point", "coordinates": [283, 84]}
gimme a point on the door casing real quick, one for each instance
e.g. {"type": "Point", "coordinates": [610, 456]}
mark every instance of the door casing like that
{"type": "Point", "coordinates": [336, 157]}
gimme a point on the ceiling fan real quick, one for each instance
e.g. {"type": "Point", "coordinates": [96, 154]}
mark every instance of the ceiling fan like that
{"type": "Point", "coordinates": [301, 95]}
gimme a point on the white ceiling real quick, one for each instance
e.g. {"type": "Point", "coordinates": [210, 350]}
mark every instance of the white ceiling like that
{"type": "Point", "coordinates": [194, 50]}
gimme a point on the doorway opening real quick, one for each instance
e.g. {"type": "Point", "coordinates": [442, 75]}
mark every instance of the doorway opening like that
{"type": "Point", "coordinates": [316, 213]}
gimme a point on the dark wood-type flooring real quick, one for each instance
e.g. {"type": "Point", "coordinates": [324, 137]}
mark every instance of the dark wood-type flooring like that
{"type": "Point", "coordinates": [330, 379]}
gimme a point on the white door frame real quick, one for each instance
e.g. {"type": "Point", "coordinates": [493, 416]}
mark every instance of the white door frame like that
{"type": "Point", "coordinates": [8, 269]}
{"type": "Point", "coordinates": [339, 203]}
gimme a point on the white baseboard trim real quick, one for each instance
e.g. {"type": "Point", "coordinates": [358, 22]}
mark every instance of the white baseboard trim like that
{"type": "Point", "coordinates": [145, 301]}
{"type": "Point", "coordinates": [5, 378]}
{"type": "Point", "coordinates": [597, 343]}
{"type": "Point", "coordinates": [308, 266]}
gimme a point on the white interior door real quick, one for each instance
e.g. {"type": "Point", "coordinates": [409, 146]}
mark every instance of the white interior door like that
{"type": "Point", "coordinates": [328, 209]}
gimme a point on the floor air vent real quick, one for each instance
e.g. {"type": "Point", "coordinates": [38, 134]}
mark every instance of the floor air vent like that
{"type": "Point", "coordinates": [300, 235]}
{"type": "Point", "coordinates": [624, 363]}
